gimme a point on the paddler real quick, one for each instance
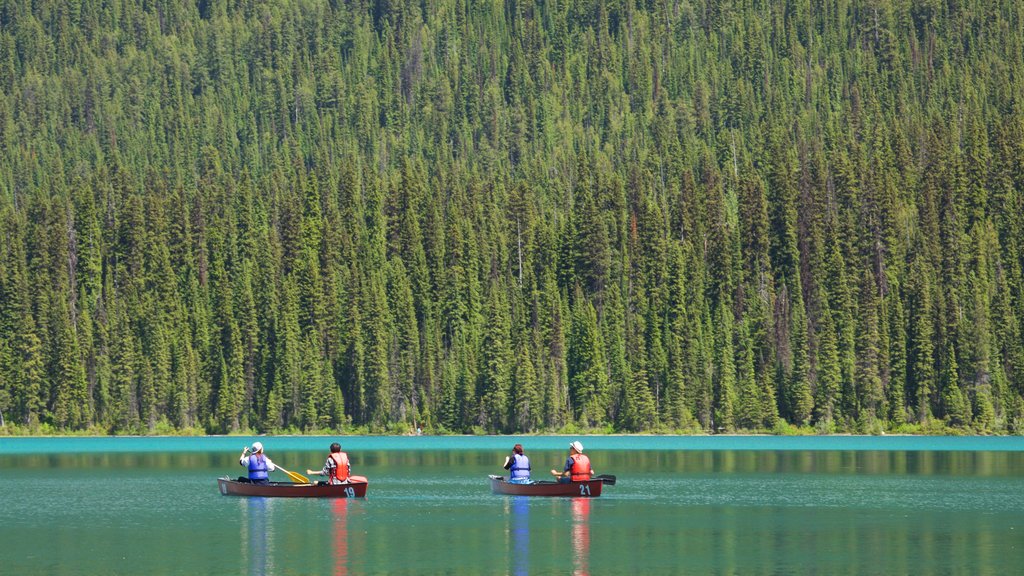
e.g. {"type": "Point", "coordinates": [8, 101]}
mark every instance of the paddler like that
{"type": "Point", "coordinates": [577, 466]}
{"type": "Point", "coordinates": [518, 465]}
{"type": "Point", "coordinates": [258, 464]}
{"type": "Point", "coordinates": [338, 469]}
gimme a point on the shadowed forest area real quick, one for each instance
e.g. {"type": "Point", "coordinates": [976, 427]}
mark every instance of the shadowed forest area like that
{"type": "Point", "coordinates": [511, 216]}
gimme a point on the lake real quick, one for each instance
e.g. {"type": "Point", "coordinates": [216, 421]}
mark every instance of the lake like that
{"type": "Point", "coordinates": [682, 505]}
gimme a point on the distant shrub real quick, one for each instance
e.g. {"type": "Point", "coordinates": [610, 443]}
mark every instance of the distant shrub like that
{"type": "Point", "coordinates": [783, 428]}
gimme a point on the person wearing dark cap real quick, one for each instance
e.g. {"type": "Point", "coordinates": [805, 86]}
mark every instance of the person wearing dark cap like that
{"type": "Point", "coordinates": [338, 469]}
{"type": "Point", "coordinates": [577, 466]}
{"type": "Point", "coordinates": [258, 464]}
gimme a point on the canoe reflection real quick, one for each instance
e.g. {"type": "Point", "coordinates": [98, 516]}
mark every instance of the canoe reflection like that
{"type": "Point", "coordinates": [520, 506]}
{"type": "Point", "coordinates": [259, 540]}
{"type": "Point", "coordinates": [581, 536]}
{"type": "Point", "coordinates": [349, 544]}
{"type": "Point", "coordinates": [340, 508]}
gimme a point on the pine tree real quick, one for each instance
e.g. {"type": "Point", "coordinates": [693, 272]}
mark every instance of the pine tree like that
{"type": "Point", "coordinates": [869, 381]}
{"type": "Point", "coordinates": [377, 336]}
{"type": "Point", "coordinates": [588, 378]}
{"type": "Point", "coordinates": [800, 400]}
{"type": "Point", "coordinates": [954, 404]}
{"type": "Point", "coordinates": [828, 369]}
{"type": "Point", "coordinates": [921, 379]}
{"type": "Point", "coordinates": [639, 411]}
{"type": "Point", "coordinates": [72, 407]}
{"type": "Point", "coordinates": [29, 374]}
{"type": "Point", "coordinates": [405, 349]}
{"type": "Point", "coordinates": [897, 357]}
{"type": "Point", "coordinates": [676, 413]}
{"type": "Point", "coordinates": [750, 412]}
{"type": "Point", "coordinates": [526, 395]}
{"type": "Point", "coordinates": [725, 371]}
{"type": "Point", "coordinates": [496, 361]}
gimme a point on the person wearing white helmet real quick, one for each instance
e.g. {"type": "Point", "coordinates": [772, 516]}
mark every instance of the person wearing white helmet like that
{"type": "Point", "coordinates": [257, 463]}
{"type": "Point", "coordinates": [577, 466]}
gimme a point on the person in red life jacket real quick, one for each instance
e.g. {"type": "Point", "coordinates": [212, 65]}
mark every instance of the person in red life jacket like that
{"type": "Point", "coordinates": [577, 466]}
{"type": "Point", "coordinates": [337, 468]}
{"type": "Point", "coordinates": [258, 464]}
{"type": "Point", "coordinates": [519, 466]}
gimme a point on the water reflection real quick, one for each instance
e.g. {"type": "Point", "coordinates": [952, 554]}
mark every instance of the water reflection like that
{"type": "Point", "coordinates": [348, 536]}
{"type": "Point", "coordinates": [339, 506]}
{"type": "Point", "coordinates": [581, 536]}
{"type": "Point", "coordinates": [258, 534]}
{"type": "Point", "coordinates": [520, 507]}
{"type": "Point", "coordinates": [945, 463]}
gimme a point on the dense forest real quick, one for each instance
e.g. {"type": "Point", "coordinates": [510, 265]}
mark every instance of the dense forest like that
{"type": "Point", "coordinates": [511, 216]}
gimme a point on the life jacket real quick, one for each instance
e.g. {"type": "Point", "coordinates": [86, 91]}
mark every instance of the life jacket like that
{"type": "Point", "coordinates": [520, 466]}
{"type": "Point", "coordinates": [580, 468]}
{"type": "Point", "coordinates": [257, 467]}
{"type": "Point", "coordinates": [339, 473]}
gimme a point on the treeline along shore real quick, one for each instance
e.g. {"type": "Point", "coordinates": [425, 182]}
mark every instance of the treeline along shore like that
{"type": "Point", "coordinates": [511, 216]}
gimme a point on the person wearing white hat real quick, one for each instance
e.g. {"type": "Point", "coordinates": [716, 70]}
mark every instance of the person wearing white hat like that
{"type": "Point", "coordinates": [258, 464]}
{"type": "Point", "coordinates": [577, 466]}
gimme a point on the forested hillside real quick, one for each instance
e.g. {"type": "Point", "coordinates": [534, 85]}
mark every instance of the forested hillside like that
{"type": "Point", "coordinates": [511, 216]}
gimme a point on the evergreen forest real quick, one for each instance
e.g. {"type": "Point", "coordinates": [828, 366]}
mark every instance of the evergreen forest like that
{"type": "Point", "coordinates": [511, 216]}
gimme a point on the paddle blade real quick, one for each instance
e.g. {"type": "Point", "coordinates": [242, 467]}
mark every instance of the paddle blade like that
{"type": "Point", "coordinates": [295, 476]}
{"type": "Point", "coordinates": [606, 478]}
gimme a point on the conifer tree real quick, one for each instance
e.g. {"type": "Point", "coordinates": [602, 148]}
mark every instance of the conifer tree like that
{"type": "Point", "coordinates": [954, 404]}
{"type": "Point", "coordinates": [920, 355]}
{"type": "Point", "coordinates": [800, 400]}
{"type": "Point", "coordinates": [588, 378]}
{"type": "Point", "coordinates": [377, 335]}
{"type": "Point", "coordinates": [725, 371]}
{"type": "Point", "coordinates": [526, 395]}
{"type": "Point", "coordinates": [897, 395]}
{"type": "Point", "coordinates": [829, 380]}
{"type": "Point", "coordinates": [496, 356]}
{"type": "Point", "coordinates": [869, 382]}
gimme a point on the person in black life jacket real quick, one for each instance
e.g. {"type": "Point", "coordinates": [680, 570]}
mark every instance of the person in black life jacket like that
{"type": "Point", "coordinates": [257, 463]}
{"type": "Point", "coordinates": [577, 466]}
{"type": "Point", "coordinates": [337, 468]}
{"type": "Point", "coordinates": [519, 466]}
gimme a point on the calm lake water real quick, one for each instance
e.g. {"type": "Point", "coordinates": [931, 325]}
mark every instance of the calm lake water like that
{"type": "Point", "coordinates": [682, 505]}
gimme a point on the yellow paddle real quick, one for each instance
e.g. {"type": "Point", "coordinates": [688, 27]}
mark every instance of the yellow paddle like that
{"type": "Point", "coordinates": [295, 476]}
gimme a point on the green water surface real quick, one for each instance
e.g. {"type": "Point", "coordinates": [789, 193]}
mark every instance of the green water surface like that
{"type": "Point", "coordinates": [682, 505]}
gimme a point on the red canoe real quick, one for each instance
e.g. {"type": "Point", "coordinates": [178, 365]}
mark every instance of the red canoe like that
{"type": "Point", "coordinates": [588, 489]}
{"type": "Point", "coordinates": [229, 487]}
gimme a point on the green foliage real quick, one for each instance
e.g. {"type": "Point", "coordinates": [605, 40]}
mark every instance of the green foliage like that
{"type": "Point", "coordinates": [300, 216]}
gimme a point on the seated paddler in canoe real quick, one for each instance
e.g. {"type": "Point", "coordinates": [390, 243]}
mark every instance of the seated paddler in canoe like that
{"type": "Point", "coordinates": [337, 468]}
{"type": "Point", "coordinates": [577, 466]}
{"type": "Point", "coordinates": [518, 466]}
{"type": "Point", "coordinates": [260, 466]}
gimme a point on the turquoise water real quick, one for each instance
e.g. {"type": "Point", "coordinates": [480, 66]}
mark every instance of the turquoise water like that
{"type": "Point", "coordinates": [682, 505]}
